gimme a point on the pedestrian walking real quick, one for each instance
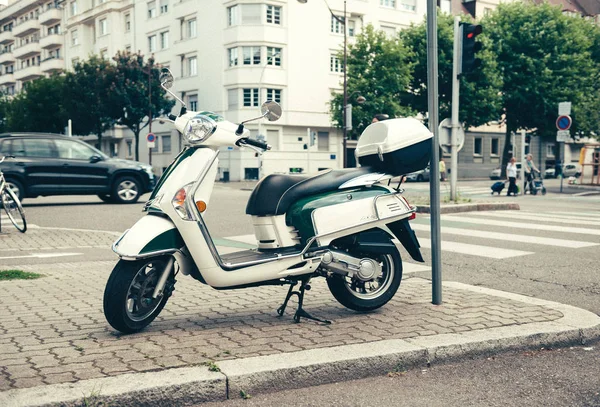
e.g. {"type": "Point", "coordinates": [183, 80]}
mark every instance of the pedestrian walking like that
{"type": "Point", "coordinates": [528, 173]}
{"type": "Point", "coordinates": [511, 174]}
{"type": "Point", "coordinates": [442, 170]}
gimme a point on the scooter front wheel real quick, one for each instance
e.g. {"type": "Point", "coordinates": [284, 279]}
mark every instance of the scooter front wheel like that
{"type": "Point", "coordinates": [128, 303]}
{"type": "Point", "coordinates": [369, 295]}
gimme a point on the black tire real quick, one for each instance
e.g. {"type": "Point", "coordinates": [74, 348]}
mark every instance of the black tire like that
{"type": "Point", "coordinates": [14, 210]}
{"type": "Point", "coordinates": [126, 190]}
{"type": "Point", "coordinates": [122, 299]}
{"type": "Point", "coordinates": [16, 187]}
{"type": "Point", "coordinates": [341, 287]}
{"type": "Point", "coordinates": [420, 178]}
{"type": "Point", "coordinates": [106, 198]}
{"type": "Point", "coordinates": [543, 191]}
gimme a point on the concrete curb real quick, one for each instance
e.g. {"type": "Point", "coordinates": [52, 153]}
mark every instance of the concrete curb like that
{"type": "Point", "coordinates": [192, 385]}
{"type": "Point", "coordinates": [472, 207]}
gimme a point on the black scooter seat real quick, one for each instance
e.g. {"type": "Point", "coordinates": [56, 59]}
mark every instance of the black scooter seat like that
{"type": "Point", "coordinates": [274, 194]}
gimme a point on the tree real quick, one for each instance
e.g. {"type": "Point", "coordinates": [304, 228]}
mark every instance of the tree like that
{"type": "Point", "coordinates": [379, 70]}
{"type": "Point", "coordinates": [130, 96]}
{"type": "Point", "coordinates": [39, 107]}
{"type": "Point", "coordinates": [479, 91]}
{"type": "Point", "coordinates": [545, 58]}
{"type": "Point", "coordinates": [4, 109]}
{"type": "Point", "coordinates": [87, 98]}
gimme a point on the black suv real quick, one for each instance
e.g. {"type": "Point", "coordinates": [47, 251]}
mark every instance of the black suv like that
{"type": "Point", "coordinates": [52, 164]}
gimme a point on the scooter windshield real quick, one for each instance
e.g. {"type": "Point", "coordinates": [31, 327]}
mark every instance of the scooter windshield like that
{"type": "Point", "coordinates": [214, 116]}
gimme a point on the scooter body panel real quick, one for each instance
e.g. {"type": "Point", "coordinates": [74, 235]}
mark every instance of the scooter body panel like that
{"type": "Point", "coordinates": [148, 236]}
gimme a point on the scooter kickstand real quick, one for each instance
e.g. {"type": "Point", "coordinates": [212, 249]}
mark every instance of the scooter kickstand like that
{"type": "Point", "coordinates": [300, 313]}
{"type": "Point", "coordinates": [290, 292]}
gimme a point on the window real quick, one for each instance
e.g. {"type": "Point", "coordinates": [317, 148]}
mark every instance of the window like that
{"type": "Point", "coordinates": [252, 14]}
{"type": "Point", "coordinates": [495, 149]}
{"type": "Point", "coordinates": [166, 143]}
{"type": "Point", "coordinates": [233, 15]}
{"type": "Point", "coordinates": [104, 53]}
{"type": "Point", "coordinates": [103, 27]}
{"type": "Point", "coordinates": [193, 66]}
{"type": "Point", "coordinates": [152, 9]}
{"type": "Point", "coordinates": [274, 95]}
{"type": "Point", "coordinates": [410, 5]}
{"type": "Point", "coordinates": [549, 150]}
{"type": "Point", "coordinates": [337, 25]}
{"type": "Point", "coordinates": [73, 8]}
{"type": "Point", "coordinates": [388, 3]}
{"type": "Point", "coordinates": [251, 55]}
{"type": "Point", "coordinates": [477, 150]}
{"type": "Point", "coordinates": [273, 139]}
{"type": "Point", "coordinates": [155, 148]}
{"type": "Point", "coordinates": [73, 150]}
{"type": "Point", "coordinates": [164, 6]}
{"type": "Point", "coordinates": [273, 14]}
{"type": "Point", "coordinates": [127, 22]}
{"type": "Point", "coordinates": [389, 31]}
{"type": "Point", "coordinates": [233, 56]}
{"type": "Point", "coordinates": [351, 28]}
{"type": "Point", "coordinates": [193, 102]}
{"type": "Point", "coordinates": [323, 140]}
{"type": "Point", "coordinates": [128, 48]}
{"type": "Point", "coordinates": [74, 62]}
{"type": "Point", "coordinates": [191, 25]}
{"type": "Point", "coordinates": [152, 43]}
{"type": "Point", "coordinates": [74, 38]}
{"type": "Point", "coordinates": [164, 40]}
{"type": "Point", "coordinates": [273, 56]}
{"type": "Point", "coordinates": [37, 148]}
{"type": "Point", "coordinates": [232, 99]}
{"type": "Point", "coordinates": [335, 65]}
{"type": "Point", "coordinates": [251, 97]}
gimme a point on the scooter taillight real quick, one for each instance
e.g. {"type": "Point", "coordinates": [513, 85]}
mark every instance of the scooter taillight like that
{"type": "Point", "coordinates": [412, 215]}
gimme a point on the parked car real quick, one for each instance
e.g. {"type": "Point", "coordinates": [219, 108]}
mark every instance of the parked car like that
{"type": "Point", "coordinates": [495, 174]}
{"type": "Point", "coordinates": [421, 175]}
{"type": "Point", "coordinates": [53, 164]}
{"type": "Point", "coordinates": [569, 170]}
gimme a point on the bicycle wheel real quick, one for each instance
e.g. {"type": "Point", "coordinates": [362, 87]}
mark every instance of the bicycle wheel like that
{"type": "Point", "coordinates": [14, 210]}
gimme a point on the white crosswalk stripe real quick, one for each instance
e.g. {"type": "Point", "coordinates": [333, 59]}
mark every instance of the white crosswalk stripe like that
{"type": "Point", "coordinates": [475, 249]}
{"type": "Point", "coordinates": [537, 217]}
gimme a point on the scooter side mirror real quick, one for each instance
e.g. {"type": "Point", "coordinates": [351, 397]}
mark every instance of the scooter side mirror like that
{"type": "Point", "coordinates": [166, 78]}
{"type": "Point", "coordinates": [271, 110]}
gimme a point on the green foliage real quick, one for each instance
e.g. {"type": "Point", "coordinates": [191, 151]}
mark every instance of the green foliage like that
{"type": "Point", "coordinates": [480, 101]}
{"type": "Point", "coordinates": [86, 97]}
{"type": "Point", "coordinates": [136, 92]}
{"type": "Point", "coordinates": [379, 70]}
{"type": "Point", "coordinates": [39, 107]}
{"type": "Point", "coordinates": [18, 275]}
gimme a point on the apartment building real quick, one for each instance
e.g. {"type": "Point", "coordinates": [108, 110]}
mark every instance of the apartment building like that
{"type": "Point", "coordinates": [227, 56]}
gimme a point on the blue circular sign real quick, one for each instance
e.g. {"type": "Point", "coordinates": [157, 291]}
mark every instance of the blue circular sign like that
{"type": "Point", "coordinates": [564, 122]}
{"type": "Point", "coordinates": [151, 137]}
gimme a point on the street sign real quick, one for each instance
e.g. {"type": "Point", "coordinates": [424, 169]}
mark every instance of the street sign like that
{"type": "Point", "coordinates": [445, 133]}
{"type": "Point", "coordinates": [151, 140]}
{"type": "Point", "coordinates": [562, 136]}
{"type": "Point", "coordinates": [564, 122]}
{"type": "Point", "coordinates": [564, 108]}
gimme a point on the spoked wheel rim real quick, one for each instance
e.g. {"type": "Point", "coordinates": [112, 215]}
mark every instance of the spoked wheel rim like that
{"type": "Point", "coordinates": [369, 290]}
{"type": "Point", "coordinates": [140, 304]}
{"type": "Point", "coordinates": [13, 209]}
{"type": "Point", "coordinates": [14, 188]}
{"type": "Point", "coordinates": [127, 190]}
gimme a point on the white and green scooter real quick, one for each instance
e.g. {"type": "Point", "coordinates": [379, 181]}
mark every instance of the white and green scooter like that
{"type": "Point", "coordinates": [343, 225]}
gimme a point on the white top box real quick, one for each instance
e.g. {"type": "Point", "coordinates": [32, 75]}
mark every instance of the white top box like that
{"type": "Point", "coordinates": [391, 135]}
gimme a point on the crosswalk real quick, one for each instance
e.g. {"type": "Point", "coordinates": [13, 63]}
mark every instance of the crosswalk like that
{"type": "Point", "coordinates": [495, 235]}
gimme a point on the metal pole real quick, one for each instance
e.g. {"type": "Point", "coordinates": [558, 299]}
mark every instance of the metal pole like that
{"type": "Point", "coordinates": [434, 194]}
{"type": "Point", "coordinates": [345, 126]}
{"type": "Point", "coordinates": [455, 101]}
{"type": "Point", "coordinates": [523, 159]}
{"type": "Point", "coordinates": [150, 111]}
{"type": "Point", "coordinates": [561, 167]}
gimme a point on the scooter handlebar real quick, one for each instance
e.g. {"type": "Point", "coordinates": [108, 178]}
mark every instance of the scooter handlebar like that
{"type": "Point", "coordinates": [255, 143]}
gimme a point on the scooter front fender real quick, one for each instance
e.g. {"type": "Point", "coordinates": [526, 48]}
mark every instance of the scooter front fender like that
{"type": "Point", "coordinates": [151, 236]}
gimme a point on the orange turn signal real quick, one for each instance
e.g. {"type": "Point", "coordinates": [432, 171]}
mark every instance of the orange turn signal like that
{"type": "Point", "coordinates": [201, 205]}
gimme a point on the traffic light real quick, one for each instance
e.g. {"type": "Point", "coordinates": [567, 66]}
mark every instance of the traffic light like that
{"type": "Point", "coordinates": [470, 47]}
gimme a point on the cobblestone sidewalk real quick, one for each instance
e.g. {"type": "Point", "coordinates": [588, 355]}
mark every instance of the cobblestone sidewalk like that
{"type": "Point", "coordinates": [54, 238]}
{"type": "Point", "coordinates": [52, 329]}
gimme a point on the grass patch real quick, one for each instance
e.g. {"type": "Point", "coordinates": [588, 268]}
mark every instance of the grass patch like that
{"type": "Point", "coordinates": [212, 366]}
{"type": "Point", "coordinates": [18, 275]}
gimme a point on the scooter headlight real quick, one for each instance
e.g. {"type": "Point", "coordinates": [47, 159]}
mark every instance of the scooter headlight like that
{"type": "Point", "coordinates": [179, 203]}
{"type": "Point", "coordinates": [199, 128]}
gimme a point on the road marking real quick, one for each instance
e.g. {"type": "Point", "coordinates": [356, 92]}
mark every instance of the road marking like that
{"type": "Point", "coordinates": [536, 217]}
{"type": "Point", "coordinates": [508, 237]}
{"type": "Point", "coordinates": [588, 214]}
{"type": "Point", "coordinates": [41, 255]}
{"type": "Point", "coordinates": [475, 250]}
{"type": "Point", "coordinates": [517, 225]}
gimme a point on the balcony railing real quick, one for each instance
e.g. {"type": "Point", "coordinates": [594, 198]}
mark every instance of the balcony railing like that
{"type": "Point", "coordinates": [52, 40]}
{"type": "Point", "coordinates": [7, 79]}
{"type": "Point", "coordinates": [27, 50]}
{"type": "Point", "coordinates": [6, 37]}
{"type": "Point", "coordinates": [52, 64]}
{"type": "Point", "coordinates": [27, 73]}
{"type": "Point", "coordinates": [26, 27]}
{"type": "Point", "coordinates": [51, 16]}
{"type": "Point", "coordinates": [6, 57]}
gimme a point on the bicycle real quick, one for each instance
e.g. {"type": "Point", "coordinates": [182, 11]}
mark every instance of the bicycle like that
{"type": "Point", "coordinates": [11, 204]}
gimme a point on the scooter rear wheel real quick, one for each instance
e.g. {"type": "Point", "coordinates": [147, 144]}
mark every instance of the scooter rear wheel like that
{"type": "Point", "coordinates": [367, 296]}
{"type": "Point", "coordinates": [128, 303]}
